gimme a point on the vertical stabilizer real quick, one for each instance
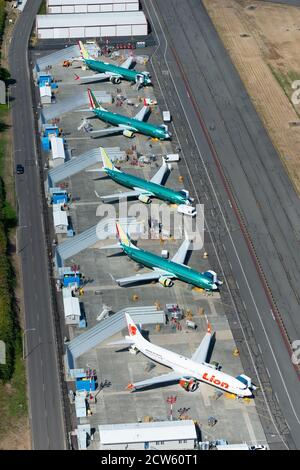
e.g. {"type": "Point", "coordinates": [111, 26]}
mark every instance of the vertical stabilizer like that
{"type": "Point", "coordinates": [107, 163]}
{"type": "Point", "coordinates": [84, 53]}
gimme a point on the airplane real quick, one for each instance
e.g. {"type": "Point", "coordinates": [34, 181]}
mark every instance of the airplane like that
{"type": "Point", "coordinates": [187, 372]}
{"type": "Point", "coordinates": [142, 189]}
{"type": "Point", "coordinates": [112, 72]}
{"type": "Point", "coordinates": [164, 270]}
{"type": "Point", "coordinates": [127, 125]}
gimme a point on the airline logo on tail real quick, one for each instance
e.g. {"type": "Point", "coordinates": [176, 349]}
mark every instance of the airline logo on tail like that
{"type": "Point", "coordinates": [93, 102]}
{"type": "Point", "coordinates": [132, 329]}
{"type": "Point", "coordinates": [107, 164]}
{"type": "Point", "coordinates": [123, 238]}
{"type": "Point", "coordinates": [84, 53]}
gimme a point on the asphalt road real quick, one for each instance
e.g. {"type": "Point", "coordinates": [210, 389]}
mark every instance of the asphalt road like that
{"type": "Point", "coordinates": [46, 417]}
{"type": "Point", "coordinates": [251, 209]}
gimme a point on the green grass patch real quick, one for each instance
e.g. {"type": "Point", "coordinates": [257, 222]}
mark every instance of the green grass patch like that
{"type": "Point", "coordinates": [13, 398]}
{"type": "Point", "coordinates": [286, 81]}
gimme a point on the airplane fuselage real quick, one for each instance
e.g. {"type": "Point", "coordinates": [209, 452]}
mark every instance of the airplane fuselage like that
{"type": "Point", "coordinates": [132, 124]}
{"type": "Point", "coordinates": [104, 67]}
{"type": "Point", "coordinates": [161, 192]}
{"type": "Point", "coordinates": [182, 272]}
{"type": "Point", "coordinates": [192, 370]}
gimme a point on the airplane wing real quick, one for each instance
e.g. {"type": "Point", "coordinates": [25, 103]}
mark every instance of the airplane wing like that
{"type": "Point", "coordinates": [117, 196]}
{"type": "Point", "coordinates": [127, 63]}
{"type": "Point", "coordinates": [140, 116]}
{"type": "Point", "coordinates": [107, 131]}
{"type": "Point", "coordinates": [92, 78]}
{"type": "Point", "coordinates": [152, 276]}
{"type": "Point", "coordinates": [159, 176]}
{"type": "Point", "coordinates": [180, 255]}
{"type": "Point", "coordinates": [165, 378]}
{"type": "Point", "coordinates": [200, 354]}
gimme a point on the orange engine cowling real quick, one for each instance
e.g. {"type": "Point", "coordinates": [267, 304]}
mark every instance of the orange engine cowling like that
{"type": "Point", "coordinates": [190, 385]}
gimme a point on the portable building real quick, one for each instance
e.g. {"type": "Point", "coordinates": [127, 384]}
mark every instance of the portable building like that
{"type": "Point", "coordinates": [60, 219]}
{"type": "Point", "coordinates": [91, 25]}
{"type": "Point", "coordinates": [91, 6]}
{"type": "Point", "coordinates": [58, 151]}
{"type": "Point", "coordinates": [71, 307]}
{"type": "Point", "coordinates": [153, 436]}
{"type": "Point", "coordinates": [46, 94]}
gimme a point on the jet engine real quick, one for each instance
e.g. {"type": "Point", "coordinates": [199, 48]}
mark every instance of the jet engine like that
{"type": "Point", "coordinates": [189, 385]}
{"type": "Point", "coordinates": [144, 199]}
{"type": "Point", "coordinates": [115, 80]}
{"type": "Point", "coordinates": [165, 281]}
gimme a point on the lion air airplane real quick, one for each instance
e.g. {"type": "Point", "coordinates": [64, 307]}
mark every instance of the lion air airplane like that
{"type": "Point", "coordinates": [187, 372]}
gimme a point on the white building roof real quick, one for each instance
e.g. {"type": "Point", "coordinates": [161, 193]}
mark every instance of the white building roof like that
{"type": "Point", "coordinates": [70, 20]}
{"type": "Point", "coordinates": [147, 432]}
{"type": "Point", "coordinates": [46, 91]}
{"type": "Point", "coordinates": [57, 148]}
{"type": "Point", "coordinates": [80, 405]}
{"type": "Point", "coordinates": [82, 431]}
{"type": "Point", "coordinates": [71, 304]}
{"type": "Point", "coordinates": [60, 217]}
{"type": "Point", "coordinates": [52, 3]}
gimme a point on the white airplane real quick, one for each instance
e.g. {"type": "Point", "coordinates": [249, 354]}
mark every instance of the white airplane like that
{"type": "Point", "coordinates": [188, 372]}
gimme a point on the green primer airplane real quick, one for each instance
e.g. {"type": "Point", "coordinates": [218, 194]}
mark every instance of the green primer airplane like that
{"type": "Point", "coordinates": [126, 124]}
{"type": "Point", "coordinates": [112, 72]}
{"type": "Point", "coordinates": [142, 189]}
{"type": "Point", "coordinates": [164, 270]}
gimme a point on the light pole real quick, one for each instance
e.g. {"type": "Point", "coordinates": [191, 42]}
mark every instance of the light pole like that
{"type": "Point", "coordinates": [24, 333]}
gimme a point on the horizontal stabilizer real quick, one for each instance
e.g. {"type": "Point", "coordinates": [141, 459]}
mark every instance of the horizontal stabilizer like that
{"type": "Point", "coordinates": [122, 342]}
{"type": "Point", "coordinates": [110, 247]}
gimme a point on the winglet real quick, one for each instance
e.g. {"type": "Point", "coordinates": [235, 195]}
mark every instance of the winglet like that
{"type": "Point", "coordinates": [123, 238]}
{"type": "Point", "coordinates": [84, 53]}
{"type": "Point", "coordinates": [107, 163]}
{"type": "Point", "coordinates": [93, 101]}
{"type": "Point", "coordinates": [76, 76]}
{"type": "Point", "coordinates": [130, 387]}
{"type": "Point", "coordinates": [208, 327]}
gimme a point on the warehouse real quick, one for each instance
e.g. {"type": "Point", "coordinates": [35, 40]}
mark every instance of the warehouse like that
{"type": "Point", "coordinates": [91, 25]}
{"type": "Point", "coordinates": [160, 435]}
{"type": "Point", "coordinates": [91, 6]}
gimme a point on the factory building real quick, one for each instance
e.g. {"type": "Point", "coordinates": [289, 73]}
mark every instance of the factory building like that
{"type": "Point", "coordinates": [161, 435]}
{"type": "Point", "coordinates": [91, 6]}
{"type": "Point", "coordinates": [91, 25]}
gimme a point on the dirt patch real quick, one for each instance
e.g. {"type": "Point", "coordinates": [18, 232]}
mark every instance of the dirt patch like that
{"type": "Point", "coordinates": [17, 438]}
{"type": "Point", "coordinates": [263, 42]}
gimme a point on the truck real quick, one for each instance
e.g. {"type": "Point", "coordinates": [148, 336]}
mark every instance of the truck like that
{"type": "Point", "coordinates": [166, 116]}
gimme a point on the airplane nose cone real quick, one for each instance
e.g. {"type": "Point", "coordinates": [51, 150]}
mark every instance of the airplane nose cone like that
{"type": "Point", "coordinates": [214, 287]}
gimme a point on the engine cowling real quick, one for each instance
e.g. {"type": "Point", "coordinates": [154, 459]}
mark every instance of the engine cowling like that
{"type": "Point", "coordinates": [189, 385]}
{"type": "Point", "coordinates": [115, 80]}
{"type": "Point", "coordinates": [166, 282]}
{"type": "Point", "coordinates": [144, 199]}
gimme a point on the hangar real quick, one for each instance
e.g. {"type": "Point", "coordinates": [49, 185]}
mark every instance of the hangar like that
{"type": "Point", "coordinates": [91, 6]}
{"type": "Point", "coordinates": [91, 25]}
